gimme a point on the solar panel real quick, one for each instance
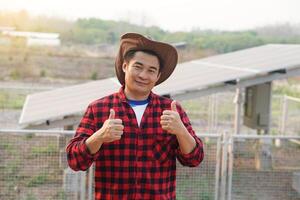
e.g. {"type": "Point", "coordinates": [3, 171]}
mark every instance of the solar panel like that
{"type": "Point", "coordinates": [197, 74]}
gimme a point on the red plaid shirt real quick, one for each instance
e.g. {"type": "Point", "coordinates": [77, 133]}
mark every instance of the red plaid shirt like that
{"type": "Point", "coordinates": [142, 164]}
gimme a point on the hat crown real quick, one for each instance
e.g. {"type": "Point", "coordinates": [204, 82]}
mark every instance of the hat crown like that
{"type": "Point", "coordinates": [134, 41]}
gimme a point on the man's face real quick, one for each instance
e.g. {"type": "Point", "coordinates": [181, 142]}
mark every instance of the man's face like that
{"type": "Point", "coordinates": [141, 74]}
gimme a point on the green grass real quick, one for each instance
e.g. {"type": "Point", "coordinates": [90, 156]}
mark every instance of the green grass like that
{"type": "Point", "coordinates": [38, 180]}
{"type": "Point", "coordinates": [9, 148]}
{"type": "Point", "coordinates": [30, 197]}
{"type": "Point", "coordinates": [44, 150]}
{"type": "Point", "coordinates": [29, 136]}
{"type": "Point", "coordinates": [286, 90]}
{"type": "Point", "coordinates": [195, 188]}
{"type": "Point", "coordinates": [194, 105]}
{"type": "Point", "coordinates": [61, 195]}
{"type": "Point", "coordinates": [15, 74]}
{"type": "Point", "coordinates": [12, 168]}
{"type": "Point", "coordinates": [11, 100]}
{"type": "Point", "coordinates": [6, 146]}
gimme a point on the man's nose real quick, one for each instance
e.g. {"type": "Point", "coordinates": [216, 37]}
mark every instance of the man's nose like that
{"type": "Point", "coordinates": [143, 74]}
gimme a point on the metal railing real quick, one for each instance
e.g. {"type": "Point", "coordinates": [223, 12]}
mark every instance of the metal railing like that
{"type": "Point", "coordinates": [33, 166]}
{"type": "Point", "coordinates": [260, 167]}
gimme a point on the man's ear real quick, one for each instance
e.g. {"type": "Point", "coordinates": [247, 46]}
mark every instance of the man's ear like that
{"type": "Point", "coordinates": [158, 76]}
{"type": "Point", "coordinates": [124, 66]}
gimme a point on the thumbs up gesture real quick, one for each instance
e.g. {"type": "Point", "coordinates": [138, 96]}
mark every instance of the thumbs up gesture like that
{"type": "Point", "coordinates": [112, 128]}
{"type": "Point", "coordinates": [170, 120]}
{"type": "Point", "coordinates": [111, 114]}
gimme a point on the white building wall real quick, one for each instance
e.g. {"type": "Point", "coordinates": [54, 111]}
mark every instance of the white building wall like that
{"type": "Point", "coordinates": [43, 42]}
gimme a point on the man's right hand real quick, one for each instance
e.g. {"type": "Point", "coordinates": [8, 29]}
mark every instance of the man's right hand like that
{"type": "Point", "coordinates": [111, 130]}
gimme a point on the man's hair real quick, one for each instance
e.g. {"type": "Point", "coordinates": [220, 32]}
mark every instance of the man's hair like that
{"type": "Point", "coordinates": [130, 54]}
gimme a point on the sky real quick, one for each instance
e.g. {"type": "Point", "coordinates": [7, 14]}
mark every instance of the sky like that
{"type": "Point", "coordinates": [171, 15]}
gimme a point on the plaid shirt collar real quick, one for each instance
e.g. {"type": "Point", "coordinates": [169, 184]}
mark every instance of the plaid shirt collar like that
{"type": "Point", "coordinates": [122, 96]}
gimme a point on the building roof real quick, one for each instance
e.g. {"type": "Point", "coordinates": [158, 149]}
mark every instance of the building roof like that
{"type": "Point", "coordinates": [7, 28]}
{"type": "Point", "coordinates": [190, 79]}
{"type": "Point", "coordinates": [32, 34]}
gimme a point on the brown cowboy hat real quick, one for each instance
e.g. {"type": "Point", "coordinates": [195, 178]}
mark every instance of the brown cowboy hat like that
{"type": "Point", "coordinates": [134, 41]}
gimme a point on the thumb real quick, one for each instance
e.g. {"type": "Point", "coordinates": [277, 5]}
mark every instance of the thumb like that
{"type": "Point", "coordinates": [111, 114]}
{"type": "Point", "coordinates": [173, 106]}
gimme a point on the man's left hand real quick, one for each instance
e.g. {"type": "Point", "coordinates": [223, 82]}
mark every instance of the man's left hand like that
{"type": "Point", "coordinates": [170, 120]}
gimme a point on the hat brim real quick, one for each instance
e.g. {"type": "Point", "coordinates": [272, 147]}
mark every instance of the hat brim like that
{"type": "Point", "coordinates": [134, 41]}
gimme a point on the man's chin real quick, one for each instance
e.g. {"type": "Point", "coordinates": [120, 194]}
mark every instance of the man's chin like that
{"type": "Point", "coordinates": [141, 86]}
{"type": "Point", "coordinates": [142, 90]}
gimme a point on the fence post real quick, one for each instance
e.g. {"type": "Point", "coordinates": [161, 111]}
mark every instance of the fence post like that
{"type": "Point", "coordinates": [224, 166]}
{"type": "Point", "coordinates": [216, 119]}
{"type": "Point", "coordinates": [230, 165]}
{"type": "Point", "coordinates": [284, 115]}
{"type": "Point", "coordinates": [82, 185]}
{"type": "Point", "coordinates": [90, 184]}
{"type": "Point", "coordinates": [210, 113]}
{"type": "Point", "coordinates": [218, 160]}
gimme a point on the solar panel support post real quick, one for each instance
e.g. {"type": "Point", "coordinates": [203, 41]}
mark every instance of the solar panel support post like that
{"type": "Point", "coordinates": [238, 100]}
{"type": "Point", "coordinates": [268, 129]}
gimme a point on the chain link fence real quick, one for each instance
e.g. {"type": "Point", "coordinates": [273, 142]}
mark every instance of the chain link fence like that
{"type": "Point", "coordinates": [290, 120]}
{"type": "Point", "coordinates": [33, 166]}
{"type": "Point", "coordinates": [263, 167]}
{"type": "Point", "coordinates": [196, 183]}
{"type": "Point", "coordinates": [201, 182]}
{"type": "Point", "coordinates": [215, 113]}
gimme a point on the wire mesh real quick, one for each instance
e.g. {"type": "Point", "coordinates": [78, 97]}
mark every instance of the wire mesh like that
{"type": "Point", "coordinates": [33, 167]}
{"type": "Point", "coordinates": [199, 182]}
{"type": "Point", "coordinates": [292, 119]}
{"type": "Point", "coordinates": [265, 169]}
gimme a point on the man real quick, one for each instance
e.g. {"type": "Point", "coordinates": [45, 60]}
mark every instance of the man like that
{"type": "Point", "coordinates": [134, 135]}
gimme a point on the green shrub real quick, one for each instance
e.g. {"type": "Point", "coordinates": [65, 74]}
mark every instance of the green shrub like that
{"type": "Point", "coordinates": [94, 76]}
{"type": "Point", "coordinates": [15, 74]}
{"type": "Point", "coordinates": [43, 73]}
{"type": "Point", "coordinates": [38, 180]}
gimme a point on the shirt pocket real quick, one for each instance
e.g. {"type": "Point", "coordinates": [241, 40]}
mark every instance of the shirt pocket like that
{"type": "Point", "coordinates": [163, 150]}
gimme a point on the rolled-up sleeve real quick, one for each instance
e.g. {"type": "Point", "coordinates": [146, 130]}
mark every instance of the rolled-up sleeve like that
{"type": "Point", "coordinates": [195, 157]}
{"type": "Point", "coordinates": [78, 155]}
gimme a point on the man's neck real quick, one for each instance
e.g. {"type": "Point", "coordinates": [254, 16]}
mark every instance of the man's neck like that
{"type": "Point", "coordinates": [135, 97]}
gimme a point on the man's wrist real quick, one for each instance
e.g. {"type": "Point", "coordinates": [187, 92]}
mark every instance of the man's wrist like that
{"type": "Point", "coordinates": [181, 132]}
{"type": "Point", "coordinates": [94, 143]}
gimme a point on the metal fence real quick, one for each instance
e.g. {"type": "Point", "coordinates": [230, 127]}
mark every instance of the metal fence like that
{"type": "Point", "coordinates": [261, 167]}
{"type": "Point", "coordinates": [290, 120]}
{"type": "Point", "coordinates": [197, 183]}
{"type": "Point", "coordinates": [33, 166]}
{"type": "Point", "coordinates": [215, 113]}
